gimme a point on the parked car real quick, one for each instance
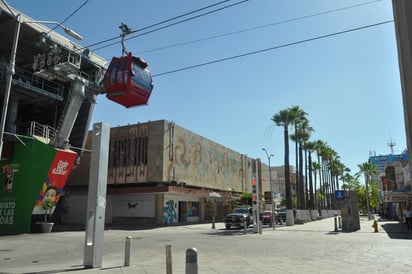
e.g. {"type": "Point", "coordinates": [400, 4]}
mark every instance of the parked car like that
{"type": "Point", "coordinates": [238, 217]}
{"type": "Point", "coordinates": [281, 215]}
{"type": "Point", "coordinates": [266, 217]}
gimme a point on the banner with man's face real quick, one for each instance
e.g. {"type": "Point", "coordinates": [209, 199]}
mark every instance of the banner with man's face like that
{"type": "Point", "coordinates": [36, 174]}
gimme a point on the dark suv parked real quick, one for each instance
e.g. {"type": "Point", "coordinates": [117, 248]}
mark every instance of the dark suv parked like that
{"type": "Point", "coordinates": [239, 216]}
{"type": "Point", "coordinates": [281, 215]}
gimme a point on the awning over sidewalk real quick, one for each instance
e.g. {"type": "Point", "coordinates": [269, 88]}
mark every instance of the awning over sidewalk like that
{"type": "Point", "coordinates": [398, 197]}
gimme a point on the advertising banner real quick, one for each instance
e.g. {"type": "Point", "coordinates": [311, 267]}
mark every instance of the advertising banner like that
{"type": "Point", "coordinates": [25, 179]}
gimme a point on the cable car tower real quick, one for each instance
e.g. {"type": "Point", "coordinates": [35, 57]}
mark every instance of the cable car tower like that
{"type": "Point", "coordinates": [128, 80]}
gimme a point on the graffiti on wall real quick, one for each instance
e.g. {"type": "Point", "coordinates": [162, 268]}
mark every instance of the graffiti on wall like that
{"type": "Point", "coordinates": [169, 212]}
{"type": "Point", "coordinates": [193, 209]}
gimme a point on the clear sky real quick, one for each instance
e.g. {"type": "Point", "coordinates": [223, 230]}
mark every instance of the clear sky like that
{"type": "Point", "coordinates": [337, 60]}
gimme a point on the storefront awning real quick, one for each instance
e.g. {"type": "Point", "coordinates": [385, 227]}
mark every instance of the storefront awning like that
{"type": "Point", "coordinates": [398, 197]}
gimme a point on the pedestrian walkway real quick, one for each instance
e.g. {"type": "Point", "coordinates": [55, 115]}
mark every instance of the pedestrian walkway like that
{"type": "Point", "coordinates": [395, 229]}
{"type": "Point", "coordinates": [313, 247]}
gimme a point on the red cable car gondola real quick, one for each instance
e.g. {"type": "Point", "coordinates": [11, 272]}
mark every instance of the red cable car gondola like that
{"type": "Point", "coordinates": [128, 81]}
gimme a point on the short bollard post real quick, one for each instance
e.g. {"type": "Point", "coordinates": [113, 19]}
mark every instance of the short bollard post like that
{"type": "Point", "coordinates": [169, 259]}
{"type": "Point", "coordinates": [244, 227]}
{"type": "Point", "coordinates": [213, 222]}
{"type": "Point", "coordinates": [260, 227]}
{"type": "Point", "coordinates": [375, 226]}
{"type": "Point", "coordinates": [340, 222]}
{"type": "Point", "coordinates": [191, 261]}
{"type": "Point", "coordinates": [336, 224]}
{"type": "Point", "coordinates": [127, 251]}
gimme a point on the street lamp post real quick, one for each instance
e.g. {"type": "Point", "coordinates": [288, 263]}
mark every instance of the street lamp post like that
{"type": "Point", "coordinates": [271, 188]}
{"type": "Point", "coordinates": [367, 177]}
{"type": "Point", "coordinates": [12, 64]}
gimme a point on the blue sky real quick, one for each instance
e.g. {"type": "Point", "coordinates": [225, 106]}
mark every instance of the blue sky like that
{"type": "Point", "coordinates": [347, 82]}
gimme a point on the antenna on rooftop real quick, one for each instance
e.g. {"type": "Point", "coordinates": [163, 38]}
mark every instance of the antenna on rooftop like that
{"type": "Point", "coordinates": [391, 144]}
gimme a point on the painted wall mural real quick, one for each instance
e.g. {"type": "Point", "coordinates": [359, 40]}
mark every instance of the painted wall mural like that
{"type": "Point", "coordinates": [193, 209]}
{"type": "Point", "coordinates": [169, 212]}
{"type": "Point", "coordinates": [199, 161]}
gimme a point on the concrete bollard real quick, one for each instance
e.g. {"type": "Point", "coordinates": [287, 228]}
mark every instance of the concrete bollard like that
{"type": "Point", "coordinates": [127, 251]}
{"type": "Point", "coordinates": [213, 223]}
{"type": "Point", "coordinates": [169, 269]}
{"type": "Point", "coordinates": [375, 226]}
{"type": "Point", "coordinates": [336, 224]}
{"type": "Point", "coordinates": [191, 261]}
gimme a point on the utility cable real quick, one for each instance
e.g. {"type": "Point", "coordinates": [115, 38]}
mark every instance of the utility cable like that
{"type": "Point", "coordinates": [167, 26]}
{"type": "Point", "coordinates": [73, 13]}
{"type": "Point", "coordinates": [156, 24]}
{"type": "Point", "coordinates": [257, 27]}
{"type": "Point", "coordinates": [271, 48]}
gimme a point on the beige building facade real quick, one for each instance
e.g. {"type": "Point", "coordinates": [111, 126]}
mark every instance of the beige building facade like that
{"type": "Point", "coordinates": [160, 173]}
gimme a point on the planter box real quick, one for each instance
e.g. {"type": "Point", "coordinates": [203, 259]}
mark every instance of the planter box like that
{"type": "Point", "coordinates": [46, 227]}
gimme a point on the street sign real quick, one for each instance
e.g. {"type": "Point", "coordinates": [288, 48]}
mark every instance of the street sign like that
{"type": "Point", "coordinates": [340, 195]}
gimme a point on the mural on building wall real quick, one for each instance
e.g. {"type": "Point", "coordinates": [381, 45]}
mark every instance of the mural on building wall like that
{"type": "Point", "coordinates": [169, 212]}
{"type": "Point", "coordinates": [199, 161]}
{"type": "Point", "coordinates": [193, 209]}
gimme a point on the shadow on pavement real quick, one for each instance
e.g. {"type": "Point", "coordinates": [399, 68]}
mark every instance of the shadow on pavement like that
{"type": "Point", "coordinates": [397, 230]}
{"type": "Point", "coordinates": [80, 268]}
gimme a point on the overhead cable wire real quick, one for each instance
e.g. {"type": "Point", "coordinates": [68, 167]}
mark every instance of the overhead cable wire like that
{"type": "Point", "coordinates": [71, 15]}
{"type": "Point", "coordinates": [180, 16]}
{"type": "Point", "coordinates": [272, 48]}
{"type": "Point", "coordinates": [258, 27]}
{"type": "Point", "coordinates": [163, 27]}
{"type": "Point", "coordinates": [156, 24]}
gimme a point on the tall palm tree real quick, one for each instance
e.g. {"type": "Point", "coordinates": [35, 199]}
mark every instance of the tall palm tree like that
{"type": "Point", "coordinates": [319, 147]}
{"type": "Point", "coordinates": [305, 136]}
{"type": "Point", "coordinates": [316, 170]}
{"type": "Point", "coordinates": [327, 159]}
{"type": "Point", "coordinates": [368, 169]}
{"type": "Point", "coordinates": [301, 136]}
{"type": "Point", "coordinates": [299, 119]}
{"type": "Point", "coordinates": [310, 147]}
{"type": "Point", "coordinates": [337, 168]}
{"type": "Point", "coordinates": [284, 119]}
{"type": "Point", "coordinates": [346, 178]}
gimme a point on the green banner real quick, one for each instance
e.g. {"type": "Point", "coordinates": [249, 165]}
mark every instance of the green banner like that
{"type": "Point", "coordinates": [25, 178]}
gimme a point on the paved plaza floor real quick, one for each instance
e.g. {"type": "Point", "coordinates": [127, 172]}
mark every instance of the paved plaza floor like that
{"type": "Point", "coordinates": [313, 247]}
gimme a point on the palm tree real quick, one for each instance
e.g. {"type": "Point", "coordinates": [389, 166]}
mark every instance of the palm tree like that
{"type": "Point", "coordinates": [298, 118]}
{"type": "Point", "coordinates": [346, 179]}
{"type": "Point", "coordinates": [319, 147]}
{"type": "Point", "coordinates": [337, 169]}
{"type": "Point", "coordinates": [301, 136]}
{"type": "Point", "coordinates": [284, 119]}
{"type": "Point", "coordinates": [305, 135]}
{"type": "Point", "coordinates": [327, 156]}
{"type": "Point", "coordinates": [315, 169]}
{"type": "Point", "coordinates": [310, 147]}
{"type": "Point", "coordinates": [368, 169]}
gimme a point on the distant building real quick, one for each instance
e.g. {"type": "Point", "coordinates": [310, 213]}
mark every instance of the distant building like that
{"type": "Point", "coordinates": [393, 174]}
{"type": "Point", "coordinates": [392, 169]}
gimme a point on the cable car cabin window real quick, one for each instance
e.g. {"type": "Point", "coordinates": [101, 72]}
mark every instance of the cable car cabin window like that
{"type": "Point", "coordinates": [141, 76]}
{"type": "Point", "coordinates": [122, 71]}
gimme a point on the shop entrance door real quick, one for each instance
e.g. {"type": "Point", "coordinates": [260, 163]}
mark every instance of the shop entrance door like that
{"type": "Point", "coordinates": [182, 212]}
